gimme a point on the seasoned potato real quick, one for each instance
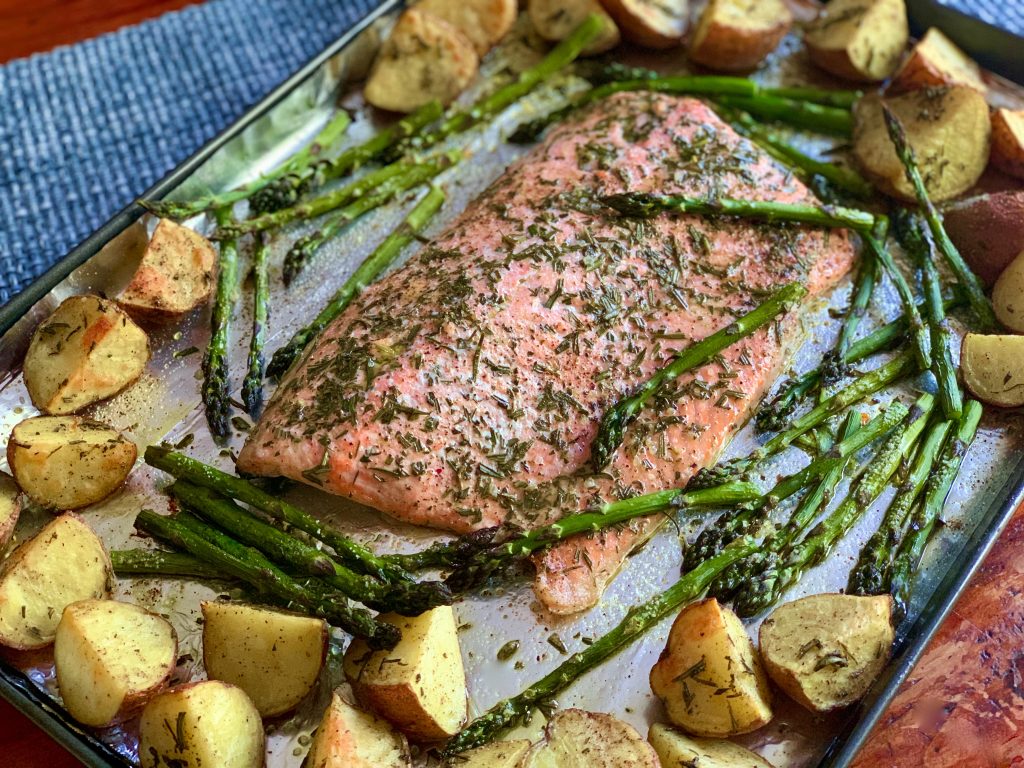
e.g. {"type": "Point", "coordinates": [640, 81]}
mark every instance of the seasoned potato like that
{"type": "Point", "coordinates": [10, 508]}
{"type": "Point", "coordinates": [659, 24]}
{"type": "Point", "coordinates": [86, 351]}
{"type": "Point", "coordinates": [111, 658]}
{"type": "Point", "coordinates": [68, 462]}
{"type": "Point", "coordinates": [419, 685]}
{"type": "Point", "coordinates": [424, 59]}
{"type": "Point", "coordinates": [737, 35]}
{"type": "Point", "coordinates": [574, 737]}
{"type": "Point", "coordinates": [826, 650]}
{"type": "Point", "coordinates": [1008, 141]}
{"type": "Point", "coordinates": [484, 22]}
{"type": "Point", "coordinates": [64, 563]}
{"type": "Point", "coordinates": [935, 60]}
{"type": "Point", "coordinates": [555, 19]}
{"type": "Point", "coordinates": [498, 754]}
{"type": "Point", "coordinates": [992, 368]}
{"type": "Point", "coordinates": [201, 725]}
{"type": "Point", "coordinates": [860, 40]}
{"type": "Point", "coordinates": [988, 230]}
{"type": "Point", "coordinates": [948, 129]}
{"type": "Point", "coordinates": [1008, 295]}
{"type": "Point", "coordinates": [274, 657]}
{"type": "Point", "coordinates": [350, 738]}
{"type": "Point", "coordinates": [709, 676]}
{"type": "Point", "coordinates": [677, 750]}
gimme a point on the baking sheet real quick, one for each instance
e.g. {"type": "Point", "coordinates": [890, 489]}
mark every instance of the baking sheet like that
{"type": "Point", "coordinates": [164, 406]}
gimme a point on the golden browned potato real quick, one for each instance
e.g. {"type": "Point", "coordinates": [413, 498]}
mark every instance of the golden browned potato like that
{"type": "Point", "coordinates": [111, 658]}
{"type": "Point", "coordinates": [10, 508]}
{"type": "Point", "coordinates": [424, 59]}
{"type": "Point", "coordinates": [274, 657]}
{"type": "Point", "coordinates": [86, 351]}
{"type": "Point", "coordinates": [350, 738]}
{"type": "Point", "coordinates": [826, 650]}
{"type": "Point", "coordinates": [419, 685]}
{"type": "Point", "coordinates": [556, 19]}
{"type": "Point", "coordinates": [737, 35]}
{"type": "Point", "coordinates": [992, 368]}
{"type": "Point", "coordinates": [677, 750]}
{"type": "Point", "coordinates": [651, 23]}
{"type": "Point", "coordinates": [574, 738]}
{"type": "Point", "coordinates": [484, 22]}
{"type": "Point", "coordinates": [709, 676]}
{"type": "Point", "coordinates": [201, 725]}
{"type": "Point", "coordinates": [69, 462]}
{"type": "Point", "coordinates": [860, 40]}
{"type": "Point", "coordinates": [948, 129]}
{"type": "Point", "coordinates": [935, 60]}
{"type": "Point", "coordinates": [1008, 295]}
{"type": "Point", "coordinates": [499, 754]}
{"type": "Point", "coordinates": [64, 563]}
{"type": "Point", "coordinates": [1008, 141]}
{"type": "Point", "coordinates": [988, 230]}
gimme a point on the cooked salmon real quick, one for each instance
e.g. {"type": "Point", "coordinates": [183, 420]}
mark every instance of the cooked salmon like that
{"type": "Point", "coordinates": [463, 390]}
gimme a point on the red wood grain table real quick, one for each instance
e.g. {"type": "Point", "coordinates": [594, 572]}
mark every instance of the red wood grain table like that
{"type": "Point", "coordinates": [962, 707]}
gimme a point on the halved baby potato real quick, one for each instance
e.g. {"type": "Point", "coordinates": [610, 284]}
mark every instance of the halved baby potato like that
{"type": "Point", "coordinates": [675, 748]}
{"type": "Point", "coordinates": [574, 737]}
{"type": "Point", "coordinates": [988, 230]}
{"type": "Point", "coordinates": [860, 40]}
{"type": "Point", "coordinates": [484, 22]}
{"type": "Point", "coordinates": [651, 24]}
{"type": "Point", "coordinates": [10, 508]}
{"type": "Point", "coordinates": [556, 19]}
{"type": "Point", "coordinates": [68, 462]}
{"type": "Point", "coordinates": [1008, 295]}
{"type": "Point", "coordinates": [1008, 141]}
{"type": "Point", "coordinates": [499, 754]}
{"type": "Point", "coordinates": [350, 738]}
{"type": "Point", "coordinates": [936, 60]}
{"type": "Point", "coordinates": [89, 349]}
{"type": "Point", "coordinates": [64, 563]}
{"type": "Point", "coordinates": [737, 35]}
{"type": "Point", "coordinates": [111, 658]}
{"type": "Point", "coordinates": [992, 368]}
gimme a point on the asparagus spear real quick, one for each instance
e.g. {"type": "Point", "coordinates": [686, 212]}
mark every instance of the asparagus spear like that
{"type": "Point", "coordinates": [216, 382]}
{"type": "Point", "coordinates": [622, 413]}
{"type": "Point", "coordinates": [252, 385]}
{"type": "Point", "coordinates": [638, 620]}
{"type": "Point", "coordinates": [824, 96]}
{"type": "Point", "coordinates": [801, 114]}
{"type": "Point", "coordinates": [349, 552]}
{"type": "Point", "coordinates": [970, 282]}
{"type": "Point", "coordinates": [834, 365]}
{"type": "Point", "coordinates": [918, 331]}
{"type": "Point", "coordinates": [383, 256]}
{"type": "Point", "coordinates": [158, 562]}
{"type": "Point", "coordinates": [250, 566]}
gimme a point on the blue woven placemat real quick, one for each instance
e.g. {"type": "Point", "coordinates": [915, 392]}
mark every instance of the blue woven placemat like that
{"type": "Point", "coordinates": [86, 128]}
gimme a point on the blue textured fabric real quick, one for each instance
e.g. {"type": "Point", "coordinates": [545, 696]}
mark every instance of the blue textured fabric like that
{"type": "Point", "coordinates": [86, 128]}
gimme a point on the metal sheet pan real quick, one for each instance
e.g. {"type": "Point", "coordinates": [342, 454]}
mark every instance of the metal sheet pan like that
{"type": "Point", "coordinates": [164, 406]}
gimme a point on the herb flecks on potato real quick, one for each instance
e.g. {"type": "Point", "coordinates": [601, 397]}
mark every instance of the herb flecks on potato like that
{"type": "Point", "coordinates": [860, 40]}
{"type": "Point", "coordinates": [737, 35]}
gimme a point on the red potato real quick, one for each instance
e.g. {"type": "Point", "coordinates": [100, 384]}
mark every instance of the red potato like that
{"type": "Point", "coordinates": [936, 60]}
{"type": "Point", "coordinates": [651, 23]}
{"type": "Point", "coordinates": [737, 35]}
{"type": "Point", "coordinates": [992, 370]}
{"type": "Point", "coordinates": [1008, 141]}
{"type": "Point", "coordinates": [860, 40]}
{"type": "Point", "coordinates": [988, 230]}
{"type": "Point", "coordinates": [556, 19]}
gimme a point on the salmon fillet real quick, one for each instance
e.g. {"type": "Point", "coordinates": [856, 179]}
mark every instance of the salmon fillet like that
{"type": "Point", "coordinates": [463, 390]}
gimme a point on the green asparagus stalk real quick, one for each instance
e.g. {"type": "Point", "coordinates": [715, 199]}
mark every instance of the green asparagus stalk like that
{"type": "Point", "coordinates": [824, 96]}
{"type": "Point", "coordinates": [158, 562]}
{"type": "Point", "coordinates": [615, 420]}
{"type": "Point", "coordinates": [970, 282]}
{"type": "Point", "coordinates": [216, 380]}
{"type": "Point", "coordinates": [918, 331]}
{"type": "Point", "coordinates": [800, 114]}
{"type": "Point", "coordinates": [638, 620]}
{"type": "Point", "coordinates": [834, 366]}
{"type": "Point", "coordinates": [252, 385]}
{"type": "Point", "coordinates": [383, 256]}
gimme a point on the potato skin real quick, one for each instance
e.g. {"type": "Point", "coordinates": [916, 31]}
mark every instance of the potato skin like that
{"type": "Point", "coordinates": [653, 25]}
{"type": "Point", "coordinates": [350, 738]}
{"type": "Point", "coordinates": [936, 61]}
{"type": "Point", "coordinates": [860, 40]}
{"type": "Point", "coordinates": [740, 43]}
{"type": "Point", "coordinates": [992, 370]}
{"type": "Point", "coordinates": [988, 230]}
{"type": "Point", "coordinates": [10, 508]}
{"type": "Point", "coordinates": [1008, 141]}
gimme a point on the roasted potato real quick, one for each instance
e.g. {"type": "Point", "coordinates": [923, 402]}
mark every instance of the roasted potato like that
{"type": "Point", "coordinates": [737, 35]}
{"type": "Point", "coordinates": [64, 563]}
{"type": "Point", "coordinates": [274, 657]}
{"type": "Point", "coordinates": [498, 754]}
{"type": "Point", "coordinates": [555, 19]}
{"type": "Point", "coordinates": [68, 462]}
{"type": "Point", "coordinates": [826, 650]}
{"type": "Point", "coordinates": [660, 24]}
{"type": "Point", "coordinates": [988, 230]}
{"type": "Point", "coordinates": [1008, 295]}
{"type": "Point", "coordinates": [709, 676]}
{"type": "Point", "coordinates": [1008, 141]}
{"type": "Point", "coordinates": [677, 750]}
{"type": "Point", "coordinates": [860, 40]}
{"type": "Point", "coordinates": [948, 129]}
{"type": "Point", "coordinates": [424, 59]}
{"type": "Point", "coordinates": [574, 737]}
{"type": "Point", "coordinates": [419, 685]}
{"type": "Point", "coordinates": [992, 369]}
{"type": "Point", "coordinates": [201, 725]}
{"type": "Point", "coordinates": [86, 351]}
{"type": "Point", "coordinates": [10, 508]}
{"type": "Point", "coordinates": [111, 658]}
{"type": "Point", "coordinates": [484, 22]}
{"type": "Point", "coordinates": [350, 738]}
{"type": "Point", "coordinates": [934, 61]}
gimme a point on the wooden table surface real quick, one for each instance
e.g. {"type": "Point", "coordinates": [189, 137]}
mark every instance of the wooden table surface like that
{"type": "Point", "coordinates": [962, 707]}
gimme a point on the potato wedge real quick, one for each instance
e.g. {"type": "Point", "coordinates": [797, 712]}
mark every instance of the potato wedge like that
{"type": "Point", "coordinates": [860, 40]}
{"type": "Point", "coordinates": [425, 58]}
{"type": "Point", "coordinates": [651, 23]}
{"type": "Point", "coordinates": [948, 129]}
{"type": "Point", "coordinates": [10, 508]}
{"type": "Point", "coordinates": [484, 22]}
{"type": "Point", "coordinates": [419, 685]}
{"type": "Point", "coordinates": [988, 230]}
{"type": "Point", "coordinates": [826, 650]}
{"type": "Point", "coordinates": [1008, 141]}
{"type": "Point", "coordinates": [709, 676]}
{"type": "Point", "coordinates": [64, 563]}
{"type": "Point", "coordinates": [499, 754]}
{"type": "Point", "coordinates": [350, 738]}
{"type": "Point", "coordinates": [992, 369]}
{"type": "Point", "coordinates": [676, 750]}
{"type": "Point", "coordinates": [274, 657]}
{"type": "Point", "coordinates": [737, 35]}
{"type": "Point", "coordinates": [111, 658]}
{"type": "Point", "coordinates": [555, 19]}
{"type": "Point", "coordinates": [200, 725]}
{"type": "Point", "coordinates": [86, 351]}
{"type": "Point", "coordinates": [574, 737]}
{"type": "Point", "coordinates": [68, 462]}
{"type": "Point", "coordinates": [1008, 295]}
{"type": "Point", "coordinates": [936, 60]}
